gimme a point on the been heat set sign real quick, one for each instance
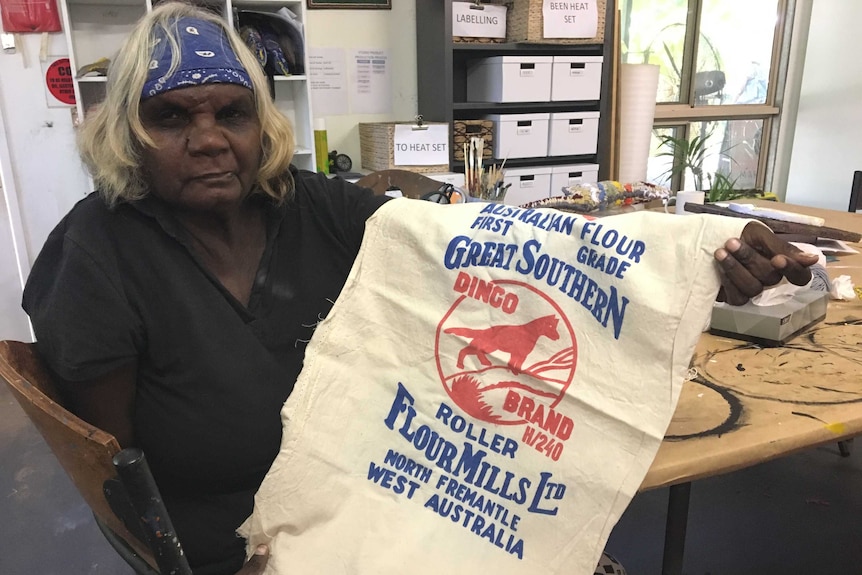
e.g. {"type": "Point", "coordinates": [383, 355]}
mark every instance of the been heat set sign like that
{"type": "Point", "coordinates": [488, 391]}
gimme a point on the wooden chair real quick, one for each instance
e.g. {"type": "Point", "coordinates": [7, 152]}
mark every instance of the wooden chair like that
{"type": "Point", "coordinates": [856, 193]}
{"type": "Point", "coordinates": [92, 458]}
{"type": "Point", "coordinates": [411, 184]}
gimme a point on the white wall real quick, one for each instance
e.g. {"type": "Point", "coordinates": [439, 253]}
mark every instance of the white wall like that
{"type": "Point", "coordinates": [48, 176]}
{"type": "Point", "coordinates": [40, 170]}
{"type": "Point", "coordinates": [392, 30]}
{"type": "Point", "coordinates": [13, 256]}
{"type": "Point", "coordinates": [827, 144]}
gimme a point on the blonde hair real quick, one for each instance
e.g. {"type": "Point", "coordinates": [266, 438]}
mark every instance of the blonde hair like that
{"type": "Point", "coordinates": [111, 138]}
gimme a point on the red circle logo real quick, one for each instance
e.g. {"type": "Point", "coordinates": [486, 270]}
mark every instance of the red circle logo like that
{"type": "Point", "coordinates": [58, 78]}
{"type": "Point", "coordinates": [490, 349]}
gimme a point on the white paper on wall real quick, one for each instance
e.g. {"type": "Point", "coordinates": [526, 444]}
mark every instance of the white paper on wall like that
{"type": "Point", "coordinates": [471, 22]}
{"type": "Point", "coordinates": [570, 19]}
{"type": "Point", "coordinates": [371, 85]}
{"type": "Point", "coordinates": [428, 146]}
{"type": "Point", "coordinates": [328, 78]}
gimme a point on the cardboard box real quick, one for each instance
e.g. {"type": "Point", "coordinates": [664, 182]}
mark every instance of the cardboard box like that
{"type": "Point", "coordinates": [575, 78]}
{"type": "Point", "coordinates": [573, 133]}
{"type": "Point", "coordinates": [528, 184]}
{"type": "Point", "coordinates": [571, 174]}
{"type": "Point", "coordinates": [520, 135]}
{"type": "Point", "coordinates": [510, 79]}
{"type": "Point", "coordinates": [770, 325]}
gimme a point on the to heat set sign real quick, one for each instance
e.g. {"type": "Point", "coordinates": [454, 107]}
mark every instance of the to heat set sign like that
{"type": "Point", "coordinates": [58, 80]}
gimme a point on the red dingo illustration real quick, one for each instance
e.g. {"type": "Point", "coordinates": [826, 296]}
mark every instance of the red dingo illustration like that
{"type": "Point", "coordinates": [516, 340]}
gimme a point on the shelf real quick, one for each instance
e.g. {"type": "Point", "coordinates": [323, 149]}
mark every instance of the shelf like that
{"type": "Point", "coordinates": [526, 107]}
{"type": "Point", "coordinates": [96, 28]}
{"type": "Point", "coordinates": [534, 49]}
{"type": "Point", "coordinates": [270, 3]}
{"type": "Point", "coordinates": [542, 161]}
{"type": "Point", "coordinates": [134, 3]}
{"type": "Point", "coordinates": [443, 67]}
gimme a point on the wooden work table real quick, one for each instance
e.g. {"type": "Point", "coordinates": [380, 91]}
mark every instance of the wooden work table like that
{"type": "Point", "coordinates": [749, 404]}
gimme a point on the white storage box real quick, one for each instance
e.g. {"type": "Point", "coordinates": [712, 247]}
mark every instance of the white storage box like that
{"type": "Point", "coordinates": [454, 178]}
{"type": "Point", "coordinates": [528, 185]}
{"type": "Point", "coordinates": [573, 133]}
{"type": "Point", "coordinates": [571, 174]}
{"type": "Point", "coordinates": [520, 135]}
{"type": "Point", "coordinates": [576, 78]}
{"type": "Point", "coordinates": [510, 79]}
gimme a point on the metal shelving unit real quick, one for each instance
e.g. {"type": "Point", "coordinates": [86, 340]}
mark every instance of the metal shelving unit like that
{"type": "Point", "coordinates": [442, 80]}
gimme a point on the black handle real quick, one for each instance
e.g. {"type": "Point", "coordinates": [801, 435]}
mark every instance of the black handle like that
{"type": "Point", "coordinates": [134, 472]}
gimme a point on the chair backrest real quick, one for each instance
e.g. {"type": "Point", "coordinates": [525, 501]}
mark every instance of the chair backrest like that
{"type": "Point", "coordinates": [84, 451]}
{"type": "Point", "coordinates": [856, 192]}
{"type": "Point", "coordinates": [411, 184]}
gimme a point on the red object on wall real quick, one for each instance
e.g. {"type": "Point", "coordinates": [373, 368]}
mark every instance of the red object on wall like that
{"type": "Point", "coordinates": [30, 15]}
{"type": "Point", "coordinates": [58, 78]}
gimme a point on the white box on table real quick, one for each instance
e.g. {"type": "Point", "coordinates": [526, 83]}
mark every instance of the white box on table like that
{"type": "Point", "coordinates": [573, 133]}
{"type": "Point", "coordinates": [454, 178]}
{"type": "Point", "coordinates": [771, 325]}
{"type": "Point", "coordinates": [528, 184]}
{"type": "Point", "coordinates": [576, 78]}
{"type": "Point", "coordinates": [510, 79]}
{"type": "Point", "coordinates": [520, 135]}
{"type": "Point", "coordinates": [571, 174]}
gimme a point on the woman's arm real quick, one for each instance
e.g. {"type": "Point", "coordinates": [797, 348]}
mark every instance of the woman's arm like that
{"type": "Point", "coordinates": [757, 260]}
{"type": "Point", "coordinates": [106, 401]}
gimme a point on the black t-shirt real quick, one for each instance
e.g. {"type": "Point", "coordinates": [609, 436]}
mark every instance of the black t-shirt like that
{"type": "Point", "coordinates": [115, 285]}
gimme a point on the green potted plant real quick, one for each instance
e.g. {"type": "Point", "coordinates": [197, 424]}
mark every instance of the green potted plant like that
{"type": "Point", "coordinates": [688, 156]}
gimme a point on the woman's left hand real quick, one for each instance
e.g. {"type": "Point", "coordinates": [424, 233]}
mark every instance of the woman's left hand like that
{"type": "Point", "coordinates": [756, 260]}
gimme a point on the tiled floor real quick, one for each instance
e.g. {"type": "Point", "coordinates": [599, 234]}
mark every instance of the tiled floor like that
{"type": "Point", "coordinates": [797, 515]}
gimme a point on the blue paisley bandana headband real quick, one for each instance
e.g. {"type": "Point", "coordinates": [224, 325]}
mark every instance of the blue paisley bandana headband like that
{"type": "Point", "coordinates": [206, 57]}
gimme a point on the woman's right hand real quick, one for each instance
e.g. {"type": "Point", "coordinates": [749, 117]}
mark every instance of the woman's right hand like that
{"type": "Point", "coordinates": [257, 563]}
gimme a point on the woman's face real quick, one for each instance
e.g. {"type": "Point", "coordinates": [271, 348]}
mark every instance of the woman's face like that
{"type": "Point", "coordinates": [207, 149]}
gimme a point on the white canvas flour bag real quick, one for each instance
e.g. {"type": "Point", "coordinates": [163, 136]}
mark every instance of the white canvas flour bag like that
{"type": "Point", "coordinates": [488, 392]}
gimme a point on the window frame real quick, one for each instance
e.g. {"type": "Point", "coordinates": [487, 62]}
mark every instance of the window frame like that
{"type": "Point", "coordinates": [680, 115]}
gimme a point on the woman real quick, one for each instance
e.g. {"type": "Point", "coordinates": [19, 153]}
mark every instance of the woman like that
{"type": "Point", "coordinates": [175, 304]}
{"type": "Point", "coordinates": [178, 301]}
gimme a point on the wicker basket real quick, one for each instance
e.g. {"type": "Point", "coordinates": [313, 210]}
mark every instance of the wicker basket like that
{"type": "Point", "coordinates": [468, 40]}
{"type": "Point", "coordinates": [525, 24]}
{"type": "Point", "coordinates": [377, 148]}
{"type": "Point", "coordinates": [463, 130]}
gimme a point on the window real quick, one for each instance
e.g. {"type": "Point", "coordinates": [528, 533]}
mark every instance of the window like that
{"type": "Point", "coordinates": [719, 66]}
